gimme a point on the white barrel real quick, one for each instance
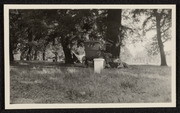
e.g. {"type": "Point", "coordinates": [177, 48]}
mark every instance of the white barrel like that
{"type": "Point", "coordinates": [98, 65]}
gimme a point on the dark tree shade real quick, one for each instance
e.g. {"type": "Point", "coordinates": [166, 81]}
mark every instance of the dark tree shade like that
{"type": "Point", "coordinates": [113, 31]}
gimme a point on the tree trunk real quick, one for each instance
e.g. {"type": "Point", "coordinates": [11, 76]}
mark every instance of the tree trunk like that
{"type": "Point", "coordinates": [11, 54]}
{"type": "Point", "coordinates": [55, 58]}
{"type": "Point", "coordinates": [44, 52]}
{"type": "Point", "coordinates": [44, 55]}
{"type": "Point", "coordinates": [35, 55]}
{"type": "Point", "coordinates": [30, 36]}
{"type": "Point", "coordinates": [55, 53]}
{"type": "Point", "coordinates": [120, 53]}
{"type": "Point", "coordinates": [160, 43]}
{"type": "Point", "coordinates": [67, 51]}
{"type": "Point", "coordinates": [67, 54]}
{"type": "Point", "coordinates": [29, 54]}
{"type": "Point", "coordinates": [113, 31]}
{"type": "Point", "coordinates": [22, 55]}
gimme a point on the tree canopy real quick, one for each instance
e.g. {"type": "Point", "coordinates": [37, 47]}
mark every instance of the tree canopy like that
{"type": "Point", "coordinates": [32, 31]}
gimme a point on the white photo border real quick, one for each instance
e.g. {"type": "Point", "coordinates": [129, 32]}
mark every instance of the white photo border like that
{"type": "Point", "coordinates": [7, 7]}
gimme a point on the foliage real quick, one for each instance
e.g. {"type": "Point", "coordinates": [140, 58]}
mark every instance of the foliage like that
{"type": "Point", "coordinates": [31, 31]}
{"type": "Point", "coordinates": [149, 24]}
{"type": "Point", "coordinates": [159, 20]}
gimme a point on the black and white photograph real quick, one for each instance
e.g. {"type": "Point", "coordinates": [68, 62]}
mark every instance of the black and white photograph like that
{"type": "Point", "coordinates": [89, 56]}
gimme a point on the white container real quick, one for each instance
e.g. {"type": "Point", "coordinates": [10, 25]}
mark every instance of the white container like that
{"type": "Point", "coordinates": [98, 65]}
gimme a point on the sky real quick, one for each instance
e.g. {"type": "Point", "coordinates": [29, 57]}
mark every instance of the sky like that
{"type": "Point", "coordinates": [140, 46]}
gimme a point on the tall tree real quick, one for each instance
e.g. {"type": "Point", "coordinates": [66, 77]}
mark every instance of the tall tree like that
{"type": "Point", "coordinates": [40, 27]}
{"type": "Point", "coordinates": [16, 31]}
{"type": "Point", "coordinates": [159, 20]}
{"type": "Point", "coordinates": [113, 31]}
{"type": "Point", "coordinates": [27, 27]}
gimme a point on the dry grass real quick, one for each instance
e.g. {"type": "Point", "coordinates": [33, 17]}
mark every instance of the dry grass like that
{"type": "Point", "coordinates": [59, 84]}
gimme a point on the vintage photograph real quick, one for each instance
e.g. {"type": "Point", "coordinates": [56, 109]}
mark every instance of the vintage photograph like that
{"type": "Point", "coordinates": [89, 56]}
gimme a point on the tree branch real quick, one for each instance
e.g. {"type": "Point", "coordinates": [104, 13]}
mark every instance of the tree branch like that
{"type": "Point", "coordinates": [165, 40]}
{"type": "Point", "coordinates": [165, 29]}
{"type": "Point", "coordinates": [162, 12]}
{"type": "Point", "coordinates": [163, 22]}
{"type": "Point", "coordinates": [147, 19]}
{"type": "Point", "coordinates": [150, 28]}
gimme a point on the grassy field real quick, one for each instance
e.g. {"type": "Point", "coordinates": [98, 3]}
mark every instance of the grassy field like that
{"type": "Point", "coordinates": [56, 83]}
